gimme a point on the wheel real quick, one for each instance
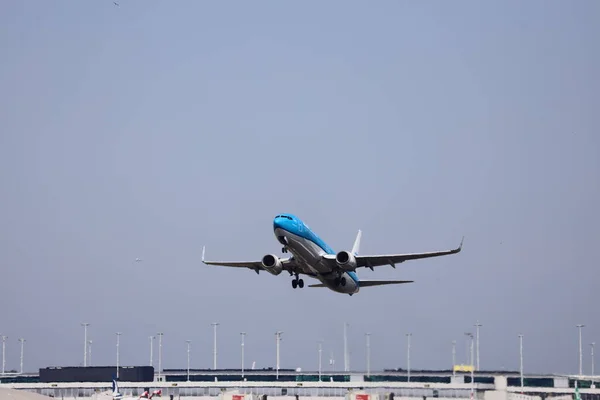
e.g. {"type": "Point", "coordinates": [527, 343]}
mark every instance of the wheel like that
{"type": "Point", "coordinates": [283, 250]}
{"type": "Point", "coordinates": [301, 283]}
{"type": "Point", "coordinates": [294, 283]}
{"type": "Point", "coordinates": [343, 281]}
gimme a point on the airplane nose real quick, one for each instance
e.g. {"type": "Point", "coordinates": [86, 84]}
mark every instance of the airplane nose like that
{"type": "Point", "coordinates": [278, 227]}
{"type": "Point", "coordinates": [284, 223]}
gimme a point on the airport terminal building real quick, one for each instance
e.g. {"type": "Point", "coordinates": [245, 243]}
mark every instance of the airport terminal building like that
{"type": "Point", "coordinates": [148, 374]}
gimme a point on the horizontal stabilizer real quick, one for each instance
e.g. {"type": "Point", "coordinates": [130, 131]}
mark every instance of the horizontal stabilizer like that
{"type": "Point", "coordinates": [368, 283]}
{"type": "Point", "coordinates": [379, 283]}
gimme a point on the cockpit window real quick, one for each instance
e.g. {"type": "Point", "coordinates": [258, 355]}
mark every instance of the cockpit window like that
{"type": "Point", "coordinates": [284, 216]}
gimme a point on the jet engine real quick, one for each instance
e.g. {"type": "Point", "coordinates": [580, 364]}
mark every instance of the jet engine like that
{"type": "Point", "coordinates": [272, 264]}
{"type": "Point", "coordinates": [346, 260]}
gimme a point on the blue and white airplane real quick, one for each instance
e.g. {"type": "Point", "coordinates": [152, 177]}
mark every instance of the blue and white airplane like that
{"type": "Point", "coordinates": [311, 256]}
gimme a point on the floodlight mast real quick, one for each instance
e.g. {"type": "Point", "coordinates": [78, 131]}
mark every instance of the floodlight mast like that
{"type": "Point", "coordinates": [592, 345]}
{"type": "Point", "coordinates": [521, 359]}
{"type": "Point", "coordinates": [160, 336]}
{"type": "Point", "coordinates": [118, 336]}
{"type": "Point", "coordinates": [346, 352]}
{"type": "Point", "coordinates": [4, 353]}
{"type": "Point", "coordinates": [470, 335]}
{"type": "Point", "coordinates": [408, 335]}
{"type": "Point", "coordinates": [580, 350]}
{"type": "Point", "coordinates": [277, 340]}
{"type": "Point", "coordinates": [368, 336]}
{"type": "Point", "coordinates": [320, 349]}
{"type": "Point", "coordinates": [477, 326]}
{"type": "Point", "coordinates": [85, 343]}
{"type": "Point", "coordinates": [90, 352]}
{"type": "Point", "coordinates": [23, 343]}
{"type": "Point", "coordinates": [243, 334]}
{"type": "Point", "coordinates": [188, 359]}
{"type": "Point", "coordinates": [214, 325]}
{"type": "Point", "coordinates": [151, 338]}
{"type": "Point", "coordinates": [453, 357]}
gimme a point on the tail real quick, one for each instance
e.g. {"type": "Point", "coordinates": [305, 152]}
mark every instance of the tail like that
{"type": "Point", "coordinates": [115, 390]}
{"type": "Point", "coordinates": [356, 246]}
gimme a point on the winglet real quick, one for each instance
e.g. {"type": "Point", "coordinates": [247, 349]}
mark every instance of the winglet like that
{"type": "Point", "coordinates": [461, 244]}
{"type": "Point", "coordinates": [356, 246]}
{"type": "Point", "coordinates": [203, 250]}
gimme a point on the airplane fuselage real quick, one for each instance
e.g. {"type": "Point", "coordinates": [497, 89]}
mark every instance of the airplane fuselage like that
{"type": "Point", "coordinates": [307, 249]}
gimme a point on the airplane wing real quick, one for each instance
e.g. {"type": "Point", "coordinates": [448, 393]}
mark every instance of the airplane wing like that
{"type": "Point", "coordinates": [288, 263]}
{"type": "Point", "coordinates": [368, 283]}
{"type": "Point", "coordinates": [393, 259]}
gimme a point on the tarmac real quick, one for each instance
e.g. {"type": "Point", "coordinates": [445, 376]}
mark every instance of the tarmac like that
{"type": "Point", "coordinates": [14, 394]}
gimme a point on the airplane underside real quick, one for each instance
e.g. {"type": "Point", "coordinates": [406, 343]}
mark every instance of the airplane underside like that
{"type": "Point", "coordinates": [308, 256]}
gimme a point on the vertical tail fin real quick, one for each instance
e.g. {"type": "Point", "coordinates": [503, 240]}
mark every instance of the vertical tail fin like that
{"type": "Point", "coordinates": [115, 387]}
{"type": "Point", "coordinates": [356, 247]}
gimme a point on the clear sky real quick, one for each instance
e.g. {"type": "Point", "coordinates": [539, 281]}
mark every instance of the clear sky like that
{"type": "Point", "coordinates": [152, 128]}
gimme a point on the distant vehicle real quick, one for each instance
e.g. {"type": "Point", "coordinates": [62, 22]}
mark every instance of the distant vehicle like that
{"type": "Point", "coordinates": [312, 257]}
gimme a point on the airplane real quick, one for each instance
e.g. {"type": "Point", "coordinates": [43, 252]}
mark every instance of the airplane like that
{"type": "Point", "coordinates": [312, 257]}
{"type": "Point", "coordinates": [117, 395]}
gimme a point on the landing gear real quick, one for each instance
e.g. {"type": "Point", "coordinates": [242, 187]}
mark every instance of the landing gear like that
{"type": "Point", "coordinates": [283, 250]}
{"type": "Point", "coordinates": [297, 283]}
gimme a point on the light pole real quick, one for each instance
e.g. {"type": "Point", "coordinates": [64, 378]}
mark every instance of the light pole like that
{"type": "Point", "coordinates": [408, 335]}
{"type": "Point", "coordinates": [592, 346]}
{"type": "Point", "coordinates": [346, 355]}
{"type": "Point", "coordinates": [332, 361]}
{"type": "Point", "coordinates": [243, 334]}
{"type": "Point", "coordinates": [118, 336]}
{"type": "Point", "coordinates": [521, 359]}
{"type": "Point", "coordinates": [320, 353]}
{"type": "Point", "coordinates": [580, 352]}
{"type": "Point", "coordinates": [85, 325]}
{"type": "Point", "coordinates": [477, 326]}
{"type": "Point", "coordinates": [467, 348]}
{"type": "Point", "coordinates": [470, 335]}
{"type": "Point", "coordinates": [23, 343]}
{"type": "Point", "coordinates": [151, 348]}
{"type": "Point", "coordinates": [368, 336]}
{"type": "Point", "coordinates": [453, 357]}
{"type": "Point", "coordinates": [90, 352]}
{"type": "Point", "coordinates": [472, 369]}
{"type": "Point", "coordinates": [3, 352]}
{"type": "Point", "coordinates": [277, 340]}
{"type": "Point", "coordinates": [215, 324]}
{"type": "Point", "coordinates": [188, 359]}
{"type": "Point", "coordinates": [160, 336]}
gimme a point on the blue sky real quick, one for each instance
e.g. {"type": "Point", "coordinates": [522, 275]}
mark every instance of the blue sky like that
{"type": "Point", "coordinates": [153, 128]}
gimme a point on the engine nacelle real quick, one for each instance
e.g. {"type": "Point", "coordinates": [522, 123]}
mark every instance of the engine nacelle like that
{"type": "Point", "coordinates": [346, 260]}
{"type": "Point", "coordinates": [272, 264]}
